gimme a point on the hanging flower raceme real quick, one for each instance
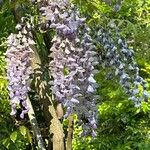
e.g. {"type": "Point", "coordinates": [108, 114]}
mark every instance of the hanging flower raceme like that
{"type": "Point", "coordinates": [18, 57]}
{"type": "Point", "coordinates": [72, 65]}
{"type": "Point", "coordinates": [120, 58]}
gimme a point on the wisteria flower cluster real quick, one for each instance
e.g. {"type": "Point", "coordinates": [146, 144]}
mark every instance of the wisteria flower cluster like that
{"type": "Point", "coordinates": [73, 58]}
{"type": "Point", "coordinates": [120, 57]}
{"type": "Point", "coordinates": [19, 69]}
{"type": "Point", "coordinates": [72, 65]}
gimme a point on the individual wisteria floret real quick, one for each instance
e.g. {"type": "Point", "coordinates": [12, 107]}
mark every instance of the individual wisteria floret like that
{"type": "Point", "coordinates": [19, 70]}
{"type": "Point", "coordinates": [72, 65]}
{"type": "Point", "coordinates": [120, 57]}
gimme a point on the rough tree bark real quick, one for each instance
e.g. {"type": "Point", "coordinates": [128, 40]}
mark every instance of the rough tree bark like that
{"type": "Point", "coordinates": [70, 133]}
{"type": "Point", "coordinates": [55, 126]}
{"type": "Point", "coordinates": [35, 127]}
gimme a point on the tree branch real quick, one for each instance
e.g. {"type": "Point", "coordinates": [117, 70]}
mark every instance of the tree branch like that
{"type": "Point", "coordinates": [70, 133]}
{"type": "Point", "coordinates": [35, 127]}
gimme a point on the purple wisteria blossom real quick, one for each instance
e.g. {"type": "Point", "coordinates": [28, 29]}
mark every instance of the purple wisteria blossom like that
{"type": "Point", "coordinates": [120, 58]}
{"type": "Point", "coordinates": [72, 65]}
{"type": "Point", "coordinates": [18, 57]}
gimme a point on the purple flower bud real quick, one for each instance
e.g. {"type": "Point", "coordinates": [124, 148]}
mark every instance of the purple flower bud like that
{"type": "Point", "coordinates": [94, 133]}
{"type": "Point", "coordinates": [91, 79]}
{"type": "Point", "coordinates": [74, 100]}
{"type": "Point", "coordinates": [90, 89]}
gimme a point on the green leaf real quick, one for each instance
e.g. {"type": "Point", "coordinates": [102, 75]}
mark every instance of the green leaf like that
{"type": "Point", "coordinates": [137, 111]}
{"type": "Point", "coordinates": [13, 136]}
{"type": "Point", "coordinates": [6, 142]}
{"type": "Point", "coordinates": [23, 130]}
{"type": "Point", "coordinates": [29, 137]}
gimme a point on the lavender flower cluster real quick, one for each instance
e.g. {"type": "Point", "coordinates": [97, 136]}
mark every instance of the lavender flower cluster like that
{"type": "Point", "coordinates": [120, 57]}
{"type": "Point", "coordinates": [72, 65]}
{"type": "Point", "coordinates": [19, 70]}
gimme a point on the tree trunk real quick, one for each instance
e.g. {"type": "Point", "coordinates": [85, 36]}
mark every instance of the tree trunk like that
{"type": "Point", "coordinates": [57, 130]}
{"type": "Point", "coordinates": [42, 88]}
{"type": "Point", "coordinates": [35, 127]}
{"type": "Point", "coordinates": [70, 133]}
